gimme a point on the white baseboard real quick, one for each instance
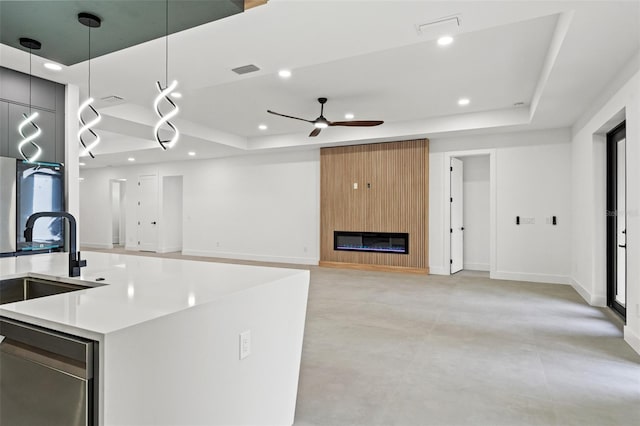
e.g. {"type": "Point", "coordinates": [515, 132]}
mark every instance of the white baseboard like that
{"type": "Point", "coordinates": [632, 338]}
{"type": "Point", "coordinates": [538, 278]}
{"type": "Point", "coordinates": [583, 292]}
{"type": "Point", "coordinates": [96, 245]}
{"type": "Point", "coordinates": [591, 299]}
{"type": "Point", "coordinates": [170, 249]}
{"type": "Point", "coordinates": [254, 257]}
{"type": "Point", "coordinates": [476, 266]}
{"type": "Point", "coordinates": [438, 270]}
{"type": "Point", "coordinates": [600, 301]}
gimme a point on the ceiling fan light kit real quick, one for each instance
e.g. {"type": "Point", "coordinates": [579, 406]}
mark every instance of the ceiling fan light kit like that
{"type": "Point", "coordinates": [322, 123]}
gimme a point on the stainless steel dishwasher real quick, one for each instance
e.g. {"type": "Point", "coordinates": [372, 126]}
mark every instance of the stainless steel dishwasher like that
{"type": "Point", "coordinates": [46, 377]}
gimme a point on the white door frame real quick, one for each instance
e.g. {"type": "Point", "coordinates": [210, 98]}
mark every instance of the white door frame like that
{"type": "Point", "coordinates": [492, 153]}
{"type": "Point", "coordinates": [456, 235]}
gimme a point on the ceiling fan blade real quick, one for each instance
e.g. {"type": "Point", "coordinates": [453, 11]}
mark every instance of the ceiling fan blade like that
{"type": "Point", "coordinates": [288, 116]}
{"type": "Point", "coordinates": [315, 132]}
{"type": "Point", "coordinates": [355, 123]}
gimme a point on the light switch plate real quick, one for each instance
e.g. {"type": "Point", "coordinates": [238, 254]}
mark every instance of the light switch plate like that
{"type": "Point", "coordinates": [245, 344]}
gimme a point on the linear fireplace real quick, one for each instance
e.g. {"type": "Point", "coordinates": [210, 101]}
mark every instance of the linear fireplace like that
{"type": "Point", "coordinates": [384, 242]}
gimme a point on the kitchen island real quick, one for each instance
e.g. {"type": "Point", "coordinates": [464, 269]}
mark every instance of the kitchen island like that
{"type": "Point", "coordinates": [168, 333]}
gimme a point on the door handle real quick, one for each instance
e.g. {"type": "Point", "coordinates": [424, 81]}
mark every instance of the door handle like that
{"type": "Point", "coordinates": [624, 246]}
{"type": "Point", "coordinates": [462, 228]}
{"type": "Point", "coordinates": [153, 223]}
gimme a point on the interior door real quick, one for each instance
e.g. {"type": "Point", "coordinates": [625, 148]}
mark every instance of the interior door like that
{"type": "Point", "coordinates": [148, 212]}
{"type": "Point", "coordinates": [115, 212]}
{"type": "Point", "coordinates": [457, 225]}
{"type": "Point", "coordinates": [616, 220]}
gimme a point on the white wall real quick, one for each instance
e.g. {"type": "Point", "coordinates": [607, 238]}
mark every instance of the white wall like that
{"type": "Point", "coordinates": [533, 179]}
{"type": "Point", "coordinates": [534, 182]}
{"type": "Point", "coordinates": [588, 181]}
{"type": "Point", "coordinates": [95, 210]}
{"type": "Point", "coordinates": [256, 207]}
{"type": "Point", "coordinates": [476, 212]}
{"type": "Point", "coordinates": [171, 215]}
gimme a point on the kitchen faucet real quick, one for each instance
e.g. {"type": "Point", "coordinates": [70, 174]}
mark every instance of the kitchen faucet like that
{"type": "Point", "coordinates": [75, 263]}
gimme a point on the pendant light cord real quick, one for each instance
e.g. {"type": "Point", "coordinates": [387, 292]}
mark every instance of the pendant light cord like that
{"type": "Point", "coordinates": [89, 82]}
{"type": "Point", "coordinates": [30, 78]}
{"type": "Point", "coordinates": [166, 45]}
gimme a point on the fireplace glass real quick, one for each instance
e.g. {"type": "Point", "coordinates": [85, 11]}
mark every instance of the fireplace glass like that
{"type": "Point", "coordinates": [385, 242]}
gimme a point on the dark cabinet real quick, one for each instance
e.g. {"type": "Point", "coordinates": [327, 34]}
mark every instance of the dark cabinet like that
{"type": "Point", "coordinates": [47, 98]}
{"type": "Point", "coordinates": [46, 120]}
{"type": "Point", "coordinates": [14, 87]}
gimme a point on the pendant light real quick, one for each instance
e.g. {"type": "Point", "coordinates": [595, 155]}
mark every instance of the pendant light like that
{"type": "Point", "coordinates": [86, 135]}
{"type": "Point", "coordinates": [164, 93]}
{"type": "Point", "coordinates": [29, 119]}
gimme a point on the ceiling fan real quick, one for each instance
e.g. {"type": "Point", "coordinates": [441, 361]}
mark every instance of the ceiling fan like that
{"type": "Point", "coordinates": [322, 123]}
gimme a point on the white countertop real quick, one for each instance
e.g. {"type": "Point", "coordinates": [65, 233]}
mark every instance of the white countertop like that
{"type": "Point", "coordinates": [135, 288]}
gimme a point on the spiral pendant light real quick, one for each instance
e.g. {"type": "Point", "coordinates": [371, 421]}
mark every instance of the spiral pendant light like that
{"type": "Point", "coordinates": [87, 114]}
{"type": "Point", "coordinates": [29, 119]}
{"type": "Point", "coordinates": [164, 119]}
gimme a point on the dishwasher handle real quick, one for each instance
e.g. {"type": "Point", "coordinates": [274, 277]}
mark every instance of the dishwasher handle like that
{"type": "Point", "coordinates": [15, 350]}
{"type": "Point", "coordinates": [59, 344]}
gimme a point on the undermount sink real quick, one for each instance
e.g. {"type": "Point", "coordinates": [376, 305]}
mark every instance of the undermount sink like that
{"type": "Point", "coordinates": [19, 289]}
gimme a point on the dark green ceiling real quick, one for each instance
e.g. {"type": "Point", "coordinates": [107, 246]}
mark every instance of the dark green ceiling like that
{"type": "Point", "coordinates": [125, 23]}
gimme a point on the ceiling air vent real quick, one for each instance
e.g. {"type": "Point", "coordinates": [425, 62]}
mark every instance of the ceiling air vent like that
{"type": "Point", "coordinates": [448, 25]}
{"type": "Point", "coordinates": [245, 69]}
{"type": "Point", "coordinates": [112, 99]}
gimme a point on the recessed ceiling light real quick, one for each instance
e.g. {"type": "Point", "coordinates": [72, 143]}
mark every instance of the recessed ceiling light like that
{"type": "Point", "coordinates": [284, 73]}
{"type": "Point", "coordinates": [131, 159]}
{"type": "Point", "coordinates": [263, 127]}
{"type": "Point", "coordinates": [82, 164]}
{"type": "Point", "coordinates": [445, 40]}
{"type": "Point", "coordinates": [176, 95]}
{"type": "Point", "coordinates": [463, 101]}
{"type": "Point", "coordinates": [349, 116]}
{"type": "Point", "coordinates": [191, 153]}
{"type": "Point", "coordinates": [53, 67]}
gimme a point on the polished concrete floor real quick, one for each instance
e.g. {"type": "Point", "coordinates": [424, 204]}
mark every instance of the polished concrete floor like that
{"type": "Point", "coordinates": [399, 349]}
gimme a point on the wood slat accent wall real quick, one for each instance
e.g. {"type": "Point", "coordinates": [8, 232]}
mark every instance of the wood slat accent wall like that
{"type": "Point", "coordinates": [396, 201]}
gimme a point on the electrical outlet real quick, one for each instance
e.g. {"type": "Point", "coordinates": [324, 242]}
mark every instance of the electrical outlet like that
{"type": "Point", "coordinates": [355, 185]}
{"type": "Point", "coordinates": [245, 344]}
